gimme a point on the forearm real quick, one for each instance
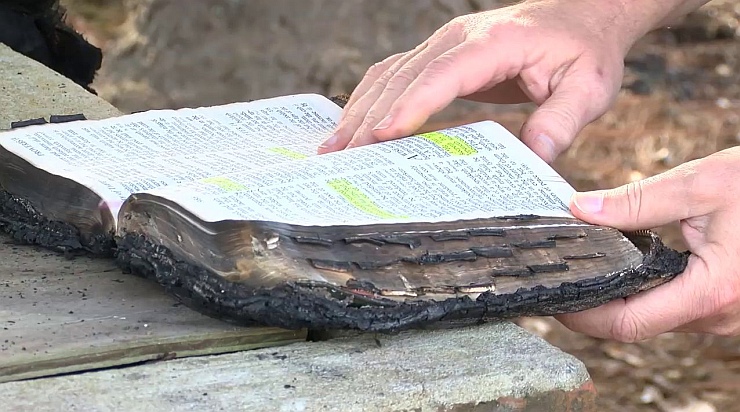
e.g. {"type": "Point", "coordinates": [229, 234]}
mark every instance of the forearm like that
{"type": "Point", "coordinates": [624, 21]}
{"type": "Point", "coordinates": [677, 9]}
{"type": "Point", "coordinates": [638, 17]}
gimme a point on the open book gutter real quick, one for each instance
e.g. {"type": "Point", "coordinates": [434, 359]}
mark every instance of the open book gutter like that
{"type": "Point", "coordinates": [371, 276]}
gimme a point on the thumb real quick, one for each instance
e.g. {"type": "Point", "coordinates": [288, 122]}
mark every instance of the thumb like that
{"type": "Point", "coordinates": [574, 103]}
{"type": "Point", "coordinates": [643, 204]}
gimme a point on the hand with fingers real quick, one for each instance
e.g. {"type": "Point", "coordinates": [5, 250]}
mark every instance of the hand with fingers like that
{"type": "Point", "coordinates": [534, 51]}
{"type": "Point", "coordinates": [567, 57]}
{"type": "Point", "coordinates": [564, 55]}
{"type": "Point", "coordinates": [704, 195]}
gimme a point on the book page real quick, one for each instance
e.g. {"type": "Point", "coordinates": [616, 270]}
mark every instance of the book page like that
{"type": "Point", "coordinates": [133, 153]}
{"type": "Point", "coordinates": [467, 172]}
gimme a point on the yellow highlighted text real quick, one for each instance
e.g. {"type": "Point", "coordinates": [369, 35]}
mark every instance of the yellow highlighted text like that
{"type": "Point", "coordinates": [360, 200]}
{"type": "Point", "coordinates": [450, 144]}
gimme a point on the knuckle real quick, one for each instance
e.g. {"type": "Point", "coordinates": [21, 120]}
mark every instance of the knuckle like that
{"type": "Point", "coordinates": [516, 24]}
{"type": "Point", "coordinates": [627, 328]}
{"type": "Point", "coordinates": [719, 167]}
{"type": "Point", "coordinates": [404, 76]}
{"type": "Point", "coordinates": [694, 178]}
{"type": "Point", "coordinates": [634, 195]}
{"type": "Point", "coordinates": [536, 83]}
{"type": "Point", "coordinates": [599, 83]}
{"type": "Point", "coordinates": [456, 27]}
{"type": "Point", "coordinates": [694, 187]}
{"type": "Point", "coordinates": [371, 119]}
{"type": "Point", "coordinates": [599, 89]}
{"type": "Point", "coordinates": [355, 112]}
{"type": "Point", "coordinates": [439, 67]}
{"type": "Point", "coordinates": [377, 70]}
{"type": "Point", "coordinates": [706, 180]}
{"type": "Point", "coordinates": [386, 77]}
{"type": "Point", "coordinates": [352, 120]}
{"type": "Point", "coordinates": [569, 119]}
{"type": "Point", "coordinates": [562, 118]}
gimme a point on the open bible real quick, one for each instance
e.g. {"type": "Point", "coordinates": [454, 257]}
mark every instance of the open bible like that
{"type": "Point", "coordinates": [230, 209]}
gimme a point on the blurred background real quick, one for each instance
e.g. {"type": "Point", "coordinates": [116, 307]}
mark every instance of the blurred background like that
{"type": "Point", "coordinates": [679, 102]}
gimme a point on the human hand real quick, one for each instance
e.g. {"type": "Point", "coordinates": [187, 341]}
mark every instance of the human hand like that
{"type": "Point", "coordinates": [704, 195]}
{"type": "Point", "coordinates": [565, 56]}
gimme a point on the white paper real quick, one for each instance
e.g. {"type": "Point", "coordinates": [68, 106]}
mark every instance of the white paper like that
{"type": "Point", "coordinates": [468, 172]}
{"type": "Point", "coordinates": [119, 156]}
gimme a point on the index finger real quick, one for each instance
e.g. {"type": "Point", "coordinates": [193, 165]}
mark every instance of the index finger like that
{"type": "Point", "coordinates": [472, 66]}
{"type": "Point", "coordinates": [373, 74]}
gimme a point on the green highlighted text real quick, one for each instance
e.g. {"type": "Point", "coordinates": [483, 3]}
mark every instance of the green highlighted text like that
{"type": "Point", "coordinates": [450, 144]}
{"type": "Point", "coordinates": [287, 152]}
{"type": "Point", "coordinates": [225, 183]}
{"type": "Point", "coordinates": [360, 200]}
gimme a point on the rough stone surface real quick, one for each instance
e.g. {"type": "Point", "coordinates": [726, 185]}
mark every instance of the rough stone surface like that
{"type": "Point", "coordinates": [30, 90]}
{"type": "Point", "coordinates": [492, 367]}
{"type": "Point", "coordinates": [183, 53]}
{"type": "Point", "coordinates": [61, 316]}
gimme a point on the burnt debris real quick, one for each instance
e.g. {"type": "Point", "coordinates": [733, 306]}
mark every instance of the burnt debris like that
{"type": "Point", "coordinates": [319, 306]}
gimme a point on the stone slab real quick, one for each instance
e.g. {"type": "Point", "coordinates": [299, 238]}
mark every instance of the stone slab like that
{"type": "Point", "coordinates": [29, 90]}
{"type": "Point", "coordinates": [490, 367]}
{"type": "Point", "coordinates": [61, 316]}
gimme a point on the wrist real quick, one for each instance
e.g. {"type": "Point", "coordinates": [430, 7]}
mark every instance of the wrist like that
{"type": "Point", "coordinates": [643, 16]}
{"type": "Point", "coordinates": [621, 23]}
{"type": "Point", "coordinates": [624, 22]}
{"type": "Point", "coordinates": [633, 19]}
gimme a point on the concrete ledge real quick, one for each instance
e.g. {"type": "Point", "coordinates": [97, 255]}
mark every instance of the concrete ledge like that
{"type": "Point", "coordinates": [492, 367]}
{"type": "Point", "coordinates": [31, 90]}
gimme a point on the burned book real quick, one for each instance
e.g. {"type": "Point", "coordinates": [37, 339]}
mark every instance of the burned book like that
{"type": "Point", "coordinates": [230, 209]}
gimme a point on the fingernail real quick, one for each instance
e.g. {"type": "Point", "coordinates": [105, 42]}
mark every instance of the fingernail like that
{"type": "Point", "coordinates": [546, 148]}
{"type": "Point", "coordinates": [329, 142]}
{"type": "Point", "coordinates": [590, 203]}
{"type": "Point", "coordinates": [385, 123]}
